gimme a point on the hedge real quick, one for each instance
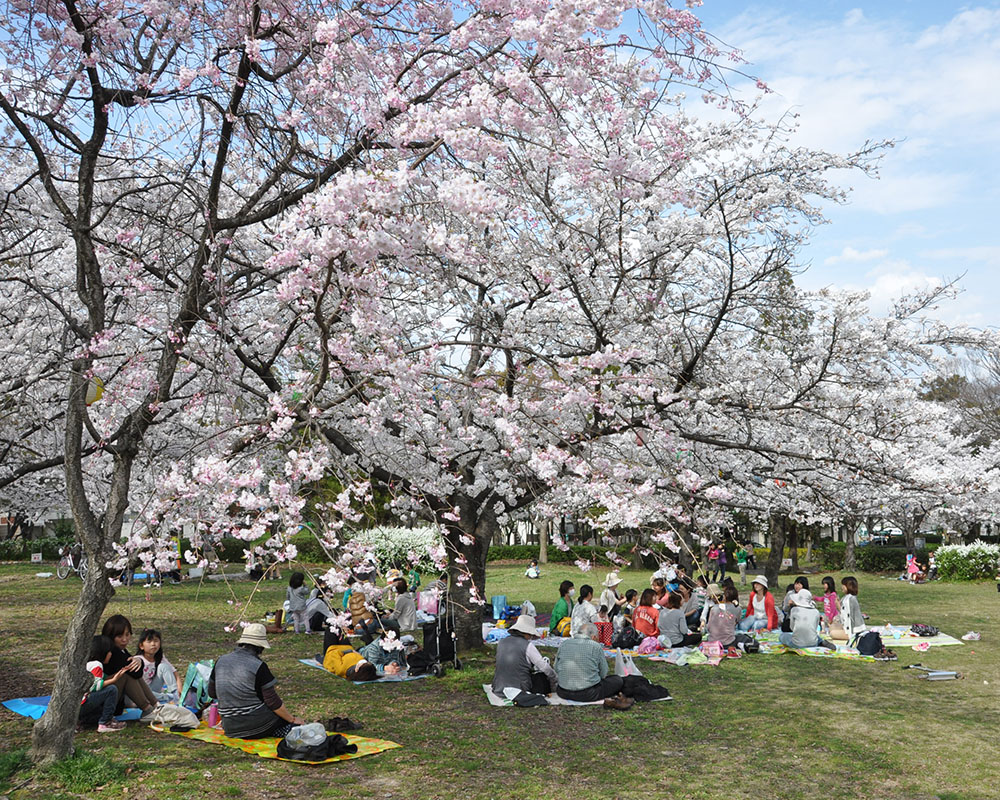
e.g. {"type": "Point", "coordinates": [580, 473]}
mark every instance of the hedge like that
{"type": "Point", "coordinates": [968, 562]}
{"type": "Point", "coordinates": [830, 556]}
{"type": "Point", "coordinates": [21, 549]}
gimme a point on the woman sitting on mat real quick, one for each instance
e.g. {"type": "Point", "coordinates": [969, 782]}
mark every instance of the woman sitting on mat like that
{"type": "Point", "coordinates": [585, 610]}
{"type": "Point", "coordinates": [646, 618]}
{"type": "Point", "coordinates": [563, 610]}
{"type": "Point", "coordinates": [761, 613]}
{"type": "Point", "coordinates": [249, 706]}
{"type": "Point", "coordinates": [850, 610]}
{"type": "Point", "coordinates": [126, 667]}
{"type": "Point", "coordinates": [673, 628]}
{"type": "Point", "coordinates": [722, 619]}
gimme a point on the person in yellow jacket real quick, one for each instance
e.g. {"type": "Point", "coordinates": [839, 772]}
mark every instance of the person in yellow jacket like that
{"type": "Point", "coordinates": [345, 661]}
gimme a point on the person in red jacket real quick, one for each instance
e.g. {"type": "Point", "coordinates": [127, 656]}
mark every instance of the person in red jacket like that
{"type": "Point", "coordinates": [761, 614]}
{"type": "Point", "coordinates": [645, 618]}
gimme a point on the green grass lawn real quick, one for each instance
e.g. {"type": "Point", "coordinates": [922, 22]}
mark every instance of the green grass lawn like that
{"type": "Point", "coordinates": [758, 727]}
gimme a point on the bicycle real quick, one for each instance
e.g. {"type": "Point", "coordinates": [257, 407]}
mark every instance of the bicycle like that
{"type": "Point", "coordinates": [72, 560]}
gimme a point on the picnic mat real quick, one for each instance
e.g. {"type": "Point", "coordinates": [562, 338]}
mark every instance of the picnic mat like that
{"type": "Point", "coordinates": [554, 699]}
{"type": "Point", "coordinates": [905, 638]}
{"type": "Point", "coordinates": [842, 651]}
{"type": "Point", "coordinates": [312, 662]}
{"type": "Point", "coordinates": [34, 707]}
{"type": "Point", "coordinates": [268, 748]}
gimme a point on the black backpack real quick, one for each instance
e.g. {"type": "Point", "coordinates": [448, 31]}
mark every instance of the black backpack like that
{"type": "Point", "coordinates": [641, 690]}
{"type": "Point", "coordinates": [868, 643]}
{"type": "Point", "coordinates": [920, 629]}
{"type": "Point", "coordinates": [628, 638]}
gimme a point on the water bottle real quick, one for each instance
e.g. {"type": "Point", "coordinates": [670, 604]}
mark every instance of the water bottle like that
{"type": "Point", "coordinates": [213, 715]}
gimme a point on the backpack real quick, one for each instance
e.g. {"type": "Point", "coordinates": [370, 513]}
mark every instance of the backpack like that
{"type": "Point", "coordinates": [627, 638]}
{"type": "Point", "coordinates": [868, 643]}
{"type": "Point", "coordinates": [920, 629]}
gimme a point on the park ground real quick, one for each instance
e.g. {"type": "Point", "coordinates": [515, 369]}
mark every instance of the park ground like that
{"type": "Point", "coordinates": [758, 727]}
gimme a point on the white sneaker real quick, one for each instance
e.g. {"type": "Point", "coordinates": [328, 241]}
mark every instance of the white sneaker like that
{"type": "Point", "coordinates": [972, 636]}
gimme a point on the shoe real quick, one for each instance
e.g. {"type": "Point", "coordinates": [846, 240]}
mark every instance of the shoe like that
{"type": "Point", "coordinates": [972, 636]}
{"type": "Point", "coordinates": [619, 702]}
{"type": "Point", "coordinates": [148, 716]}
{"type": "Point", "coordinates": [111, 727]}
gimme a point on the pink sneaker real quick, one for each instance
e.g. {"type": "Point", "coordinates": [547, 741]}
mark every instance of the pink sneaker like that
{"type": "Point", "coordinates": [111, 727]}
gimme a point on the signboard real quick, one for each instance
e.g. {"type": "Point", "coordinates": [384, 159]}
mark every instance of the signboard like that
{"type": "Point", "coordinates": [36, 558]}
{"type": "Point", "coordinates": [786, 562]}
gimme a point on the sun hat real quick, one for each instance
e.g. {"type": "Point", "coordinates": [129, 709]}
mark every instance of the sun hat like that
{"type": "Point", "coordinates": [525, 624]}
{"type": "Point", "coordinates": [393, 575]}
{"type": "Point", "coordinates": [612, 579]}
{"type": "Point", "coordinates": [761, 579]}
{"type": "Point", "coordinates": [255, 634]}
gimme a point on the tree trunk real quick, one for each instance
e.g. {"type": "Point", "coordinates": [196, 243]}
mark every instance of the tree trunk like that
{"type": "Point", "coordinates": [810, 538]}
{"type": "Point", "coordinates": [543, 542]}
{"type": "Point", "coordinates": [850, 558]}
{"type": "Point", "coordinates": [773, 565]}
{"type": "Point", "coordinates": [467, 569]}
{"type": "Point", "coordinates": [793, 544]}
{"type": "Point", "coordinates": [52, 735]}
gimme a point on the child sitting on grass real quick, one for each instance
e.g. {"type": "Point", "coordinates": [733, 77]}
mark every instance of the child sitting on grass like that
{"type": "Point", "coordinates": [98, 705]}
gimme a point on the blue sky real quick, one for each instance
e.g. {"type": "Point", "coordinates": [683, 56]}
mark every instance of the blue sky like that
{"type": "Point", "coordinates": [926, 74]}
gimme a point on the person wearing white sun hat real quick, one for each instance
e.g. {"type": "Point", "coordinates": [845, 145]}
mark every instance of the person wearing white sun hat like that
{"type": "Point", "coordinates": [249, 706]}
{"type": "Point", "coordinates": [519, 664]}
{"type": "Point", "coordinates": [610, 598]}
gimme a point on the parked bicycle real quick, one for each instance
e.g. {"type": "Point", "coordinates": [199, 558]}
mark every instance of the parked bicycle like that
{"type": "Point", "coordinates": [72, 559]}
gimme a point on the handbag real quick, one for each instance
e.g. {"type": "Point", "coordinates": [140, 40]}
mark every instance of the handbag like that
{"type": "Point", "coordinates": [169, 716]}
{"type": "Point", "coordinates": [604, 631]}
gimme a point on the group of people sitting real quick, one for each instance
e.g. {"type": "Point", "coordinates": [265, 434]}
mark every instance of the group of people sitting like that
{"type": "Point", "coordinates": [681, 612]}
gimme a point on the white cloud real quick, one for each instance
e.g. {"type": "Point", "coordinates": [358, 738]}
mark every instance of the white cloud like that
{"type": "Point", "coordinates": [850, 254]}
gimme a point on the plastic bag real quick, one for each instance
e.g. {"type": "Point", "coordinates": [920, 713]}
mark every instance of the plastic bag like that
{"type": "Point", "coordinates": [308, 735]}
{"type": "Point", "coordinates": [527, 607]}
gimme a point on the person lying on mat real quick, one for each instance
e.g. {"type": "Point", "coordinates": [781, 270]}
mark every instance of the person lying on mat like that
{"type": "Point", "coordinates": [519, 664]}
{"type": "Point", "coordinates": [367, 664]}
{"type": "Point", "coordinates": [582, 671]}
{"type": "Point", "coordinates": [805, 624]}
{"type": "Point", "coordinates": [242, 683]}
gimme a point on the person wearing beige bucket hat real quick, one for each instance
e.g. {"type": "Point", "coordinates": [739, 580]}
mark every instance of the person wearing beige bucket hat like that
{"type": "Point", "coordinates": [242, 683]}
{"type": "Point", "coordinates": [519, 664]}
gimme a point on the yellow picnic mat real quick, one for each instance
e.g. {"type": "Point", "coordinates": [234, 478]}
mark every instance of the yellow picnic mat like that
{"type": "Point", "coordinates": [268, 748]}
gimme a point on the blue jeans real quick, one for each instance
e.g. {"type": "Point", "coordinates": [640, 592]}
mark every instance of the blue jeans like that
{"type": "Point", "coordinates": [99, 707]}
{"type": "Point", "coordinates": [748, 624]}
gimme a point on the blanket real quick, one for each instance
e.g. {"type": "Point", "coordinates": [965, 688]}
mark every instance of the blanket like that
{"type": "Point", "coordinates": [312, 662]}
{"type": "Point", "coordinates": [842, 651]}
{"type": "Point", "coordinates": [900, 636]}
{"type": "Point", "coordinates": [34, 707]}
{"type": "Point", "coordinates": [268, 748]}
{"type": "Point", "coordinates": [554, 699]}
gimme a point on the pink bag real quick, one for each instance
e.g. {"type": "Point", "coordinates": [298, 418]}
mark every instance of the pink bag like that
{"type": "Point", "coordinates": [428, 602]}
{"type": "Point", "coordinates": [712, 649]}
{"type": "Point", "coordinates": [648, 645]}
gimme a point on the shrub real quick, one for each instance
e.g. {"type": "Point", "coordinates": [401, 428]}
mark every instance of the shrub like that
{"type": "Point", "coordinates": [392, 546]}
{"type": "Point", "coordinates": [21, 549]}
{"type": "Point", "coordinates": [968, 562]}
{"type": "Point", "coordinates": [830, 555]}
